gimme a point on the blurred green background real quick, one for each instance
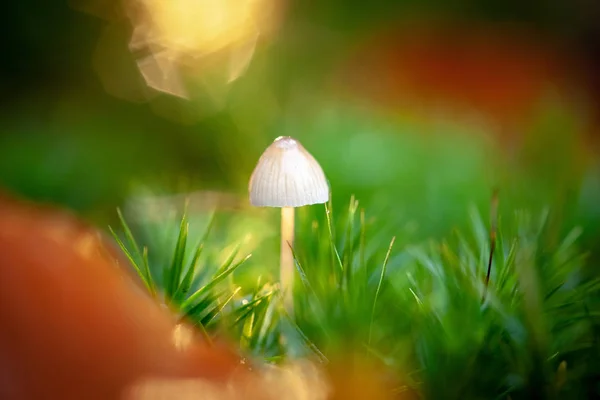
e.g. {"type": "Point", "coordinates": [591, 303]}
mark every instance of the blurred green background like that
{"type": "Point", "coordinates": [72, 134]}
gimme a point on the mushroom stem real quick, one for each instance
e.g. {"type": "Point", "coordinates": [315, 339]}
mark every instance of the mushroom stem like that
{"type": "Point", "coordinates": [287, 258]}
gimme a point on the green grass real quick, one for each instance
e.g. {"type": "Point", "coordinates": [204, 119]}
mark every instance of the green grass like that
{"type": "Point", "coordinates": [194, 294]}
{"type": "Point", "coordinates": [422, 309]}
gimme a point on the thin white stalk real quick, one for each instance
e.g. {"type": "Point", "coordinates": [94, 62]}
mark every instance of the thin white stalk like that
{"type": "Point", "coordinates": [287, 258]}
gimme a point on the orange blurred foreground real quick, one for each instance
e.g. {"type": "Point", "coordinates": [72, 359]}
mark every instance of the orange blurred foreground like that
{"type": "Point", "coordinates": [73, 325]}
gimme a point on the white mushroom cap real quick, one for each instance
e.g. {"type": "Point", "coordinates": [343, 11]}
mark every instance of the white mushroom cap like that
{"type": "Point", "coordinates": [287, 176]}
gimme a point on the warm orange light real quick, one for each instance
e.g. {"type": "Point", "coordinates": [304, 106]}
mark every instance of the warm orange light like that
{"type": "Point", "coordinates": [199, 27]}
{"type": "Point", "coordinates": [192, 33]}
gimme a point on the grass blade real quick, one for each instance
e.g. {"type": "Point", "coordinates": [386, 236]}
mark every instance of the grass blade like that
{"type": "Point", "coordinates": [334, 253]}
{"type": "Point", "coordinates": [128, 234]}
{"type": "Point", "coordinates": [267, 323]}
{"type": "Point", "coordinates": [146, 264]}
{"type": "Point", "coordinates": [303, 277]}
{"type": "Point", "coordinates": [248, 308]}
{"type": "Point", "coordinates": [203, 307]}
{"type": "Point", "coordinates": [349, 241]}
{"type": "Point", "coordinates": [229, 260]}
{"type": "Point", "coordinates": [187, 303]}
{"type": "Point", "coordinates": [130, 258]}
{"type": "Point", "coordinates": [188, 278]}
{"type": "Point", "coordinates": [305, 338]}
{"type": "Point", "coordinates": [173, 274]}
{"type": "Point", "coordinates": [383, 269]}
{"type": "Point", "coordinates": [223, 305]}
{"type": "Point", "coordinates": [362, 246]}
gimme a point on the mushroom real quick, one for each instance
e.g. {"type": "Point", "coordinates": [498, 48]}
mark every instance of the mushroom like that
{"type": "Point", "coordinates": [287, 176]}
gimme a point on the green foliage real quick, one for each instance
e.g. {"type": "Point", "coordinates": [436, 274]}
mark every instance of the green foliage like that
{"type": "Point", "coordinates": [422, 309]}
{"type": "Point", "coordinates": [196, 295]}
